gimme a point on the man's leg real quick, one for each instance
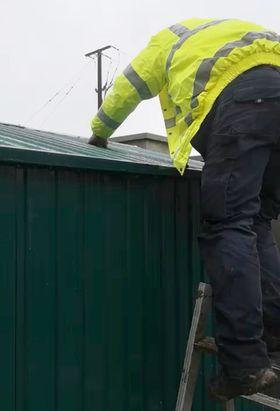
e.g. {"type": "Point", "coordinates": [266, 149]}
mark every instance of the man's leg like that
{"type": "Point", "coordinates": [268, 251]}
{"type": "Point", "coordinates": [230, 186]}
{"type": "Point", "coordinates": [243, 135]}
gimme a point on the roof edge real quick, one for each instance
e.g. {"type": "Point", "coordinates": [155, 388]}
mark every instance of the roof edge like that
{"type": "Point", "coordinates": [49, 159]}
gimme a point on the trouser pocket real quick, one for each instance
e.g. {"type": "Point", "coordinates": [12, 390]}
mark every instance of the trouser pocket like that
{"type": "Point", "coordinates": [215, 182]}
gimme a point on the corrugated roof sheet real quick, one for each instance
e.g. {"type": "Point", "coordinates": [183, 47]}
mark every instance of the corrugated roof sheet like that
{"type": "Point", "coordinates": [26, 139]}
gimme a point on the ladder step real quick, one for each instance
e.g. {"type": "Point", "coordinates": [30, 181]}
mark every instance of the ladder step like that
{"type": "Point", "coordinates": [206, 344]}
{"type": "Point", "coordinates": [198, 344]}
{"type": "Point", "coordinates": [264, 400]}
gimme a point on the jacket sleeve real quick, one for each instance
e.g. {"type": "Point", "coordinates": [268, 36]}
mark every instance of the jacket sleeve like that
{"type": "Point", "coordinates": [142, 79]}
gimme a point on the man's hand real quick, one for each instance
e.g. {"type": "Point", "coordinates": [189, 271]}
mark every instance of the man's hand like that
{"type": "Point", "coordinates": [98, 141]}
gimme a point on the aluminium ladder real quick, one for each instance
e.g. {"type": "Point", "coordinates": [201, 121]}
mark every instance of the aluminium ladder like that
{"type": "Point", "coordinates": [198, 344]}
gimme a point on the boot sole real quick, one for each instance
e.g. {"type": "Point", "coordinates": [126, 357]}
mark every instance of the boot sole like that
{"type": "Point", "coordinates": [263, 384]}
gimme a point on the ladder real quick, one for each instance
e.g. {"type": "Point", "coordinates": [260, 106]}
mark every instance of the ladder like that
{"type": "Point", "coordinates": [198, 344]}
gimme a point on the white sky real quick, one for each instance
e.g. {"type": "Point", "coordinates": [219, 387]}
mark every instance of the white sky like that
{"type": "Point", "coordinates": [42, 47]}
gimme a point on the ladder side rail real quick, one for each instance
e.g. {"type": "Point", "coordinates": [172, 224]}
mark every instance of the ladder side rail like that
{"type": "Point", "coordinates": [193, 356]}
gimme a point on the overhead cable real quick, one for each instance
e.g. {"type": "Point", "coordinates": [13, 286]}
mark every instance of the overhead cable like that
{"type": "Point", "coordinates": [55, 95]}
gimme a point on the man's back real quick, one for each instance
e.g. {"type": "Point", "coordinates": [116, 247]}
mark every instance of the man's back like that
{"type": "Point", "coordinates": [188, 65]}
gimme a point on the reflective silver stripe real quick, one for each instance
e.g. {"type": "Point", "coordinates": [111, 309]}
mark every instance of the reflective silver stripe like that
{"type": "Point", "coordinates": [137, 82]}
{"type": "Point", "coordinates": [186, 36]}
{"type": "Point", "coordinates": [204, 70]}
{"type": "Point", "coordinates": [194, 102]}
{"type": "Point", "coordinates": [178, 110]}
{"type": "Point", "coordinates": [188, 119]}
{"type": "Point", "coordinates": [109, 122]}
{"type": "Point", "coordinates": [170, 122]}
{"type": "Point", "coordinates": [178, 29]}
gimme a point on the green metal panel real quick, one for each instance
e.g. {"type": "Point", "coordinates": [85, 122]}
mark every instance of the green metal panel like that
{"type": "Point", "coordinates": [28, 146]}
{"type": "Point", "coordinates": [69, 291]}
{"type": "Point", "coordinates": [8, 287]}
{"type": "Point", "coordinates": [99, 270]}
{"type": "Point", "coordinates": [40, 290]}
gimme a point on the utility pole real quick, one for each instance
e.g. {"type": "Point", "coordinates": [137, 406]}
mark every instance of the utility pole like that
{"type": "Point", "coordinates": [99, 53]}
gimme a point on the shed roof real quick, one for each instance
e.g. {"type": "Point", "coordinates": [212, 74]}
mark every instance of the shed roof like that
{"type": "Point", "coordinates": [25, 145]}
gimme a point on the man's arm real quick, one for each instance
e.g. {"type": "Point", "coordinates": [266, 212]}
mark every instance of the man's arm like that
{"type": "Point", "coordinates": [141, 80]}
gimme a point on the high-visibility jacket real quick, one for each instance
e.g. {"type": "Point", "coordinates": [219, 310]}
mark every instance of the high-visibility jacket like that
{"type": "Point", "coordinates": [187, 65]}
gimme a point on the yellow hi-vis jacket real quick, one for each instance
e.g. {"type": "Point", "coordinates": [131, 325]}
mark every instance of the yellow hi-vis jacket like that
{"type": "Point", "coordinates": [187, 65]}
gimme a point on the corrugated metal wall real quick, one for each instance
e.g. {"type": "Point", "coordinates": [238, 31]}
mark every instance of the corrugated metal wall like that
{"type": "Point", "coordinates": [97, 276]}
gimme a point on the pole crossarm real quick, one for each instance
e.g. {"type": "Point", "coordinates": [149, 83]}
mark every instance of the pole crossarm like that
{"type": "Point", "coordinates": [91, 53]}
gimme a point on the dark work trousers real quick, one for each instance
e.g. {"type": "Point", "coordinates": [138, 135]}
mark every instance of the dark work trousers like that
{"type": "Point", "coordinates": [240, 191]}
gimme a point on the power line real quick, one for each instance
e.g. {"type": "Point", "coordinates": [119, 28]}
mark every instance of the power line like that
{"type": "Point", "coordinates": [55, 95]}
{"type": "Point", "coordinates": [114, 73]}
{"type": "Point", "coordinates": [108, 84]}
{"type": "Point", "coordinates": [124, 52]}
{"type": "Point", "coordinates": [60, 101]}
{"type": "Point", "coordinates": [107, 76]}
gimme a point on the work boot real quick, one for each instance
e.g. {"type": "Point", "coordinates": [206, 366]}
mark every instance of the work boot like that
{"type": "Point", "coordinates": [248, 382]}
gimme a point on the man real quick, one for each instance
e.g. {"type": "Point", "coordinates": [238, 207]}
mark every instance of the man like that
{"type": "Point", "coordinates": [219, 87]}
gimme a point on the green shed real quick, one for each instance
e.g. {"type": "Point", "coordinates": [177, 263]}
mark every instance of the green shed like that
{"type": "Point", "coordinates": [99, 265]}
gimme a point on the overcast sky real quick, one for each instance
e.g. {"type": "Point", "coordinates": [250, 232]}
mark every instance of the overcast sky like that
{"type": "Point", "coordinates": [42, 47]}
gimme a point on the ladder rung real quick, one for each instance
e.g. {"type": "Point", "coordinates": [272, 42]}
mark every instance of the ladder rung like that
{"type": "Point", "coordinates": [197, 343]}
{"type": "Point", "coordinates": [206, 344]}
{"type": "Point", "coordinates": [264, 400]}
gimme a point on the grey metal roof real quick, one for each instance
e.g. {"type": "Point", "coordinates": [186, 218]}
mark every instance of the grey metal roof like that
{"type": "Point", "coordinates": [20, 143]}
{"type": "Point", "coordinates": [197, 158]}
{"type": "Point", "coordinates": [140, 136]}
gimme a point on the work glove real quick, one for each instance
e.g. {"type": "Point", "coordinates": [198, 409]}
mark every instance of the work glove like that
{"type": "Point", "coordinates": [98, 141]}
